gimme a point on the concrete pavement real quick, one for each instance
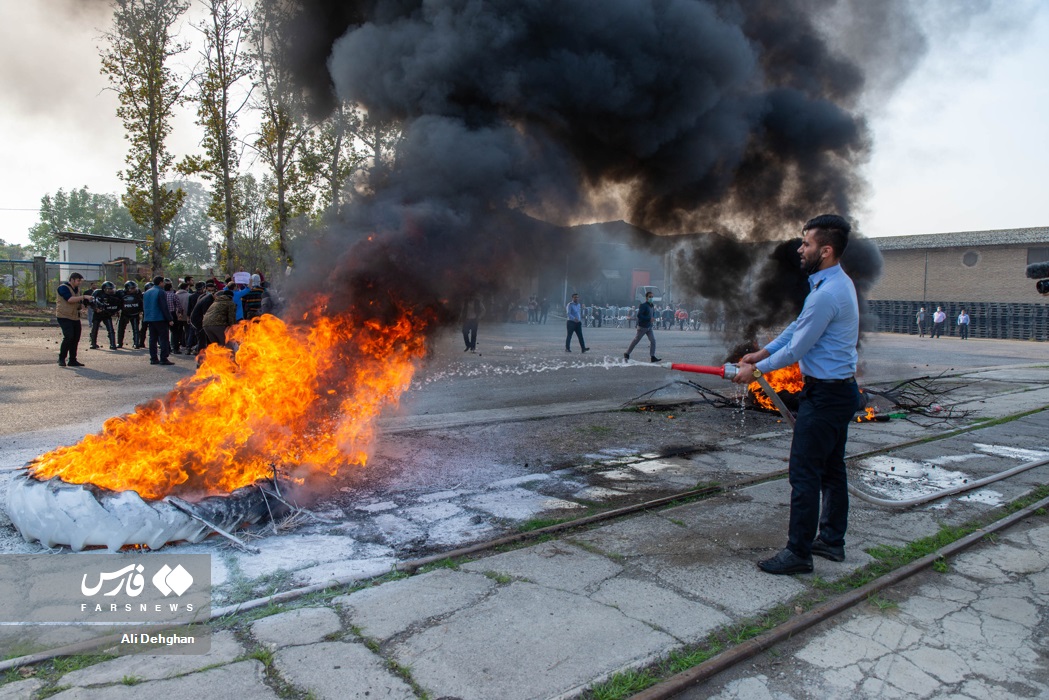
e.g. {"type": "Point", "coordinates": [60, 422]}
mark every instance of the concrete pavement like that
{"type": "Point", "coordinates": [551, 619]}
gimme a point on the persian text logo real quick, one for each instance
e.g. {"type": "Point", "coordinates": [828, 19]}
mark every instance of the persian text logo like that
{"type": "Point", "coordinates": [169, 580]}
{"type": "Point", "coordinates": [130, 580]}
{"type": "Point", "coordinates": [130, 577]}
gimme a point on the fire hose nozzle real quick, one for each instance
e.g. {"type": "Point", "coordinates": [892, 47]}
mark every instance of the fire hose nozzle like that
{"type": "Point", "coordinates": [730, 371]}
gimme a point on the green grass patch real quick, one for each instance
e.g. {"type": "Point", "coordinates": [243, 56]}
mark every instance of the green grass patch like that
{"type": "Point", "coordinates": [130, 680]}
{"type": "Point", "coordinates": [540, 523]}
{"type": "Point", "coordinates": [499, 578]}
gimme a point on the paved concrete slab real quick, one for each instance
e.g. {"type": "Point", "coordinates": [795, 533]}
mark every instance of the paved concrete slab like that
{"type": "Point", "coordinates": [656, 605]}
{"type": "Point", "coordinates": [340, 671]}
{"type": "Point", "coordinates": [732, 586]}
{"type": "Point", "coordinates": [553, 564]}
{"type": "Point", "coordinates": [244, 679]}
{"type": "Point", "coordinates": [384, 611]}
{"type": "Point", "coordinates": [526, 642]}
{"type": "Point", "coordinates": [295, 627]}
{"type": "Point", "coordinates": [20, 690]}
{"type": "Point", "coordinates": [148, 667]}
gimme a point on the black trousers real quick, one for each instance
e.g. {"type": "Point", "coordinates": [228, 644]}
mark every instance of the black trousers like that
{"type": "Point", "coordinates": [937, 329]}
{"type": "Point", "coordinates": [470, 333]}
{"type": "Point", "coordinates": [107, 321]}
{"type": "Point", "coordinates": [963, 331]}
{"type": "Point", "coordinates": [71, 331]}
{"type": "Point", "coordinates": [577, 328]}
{"type": "Point", "coordinates": [819, 496]}
{"type": "Point", "coordinates": [158, 336]}
{"type": "Point", "coordinates": [122, 325]}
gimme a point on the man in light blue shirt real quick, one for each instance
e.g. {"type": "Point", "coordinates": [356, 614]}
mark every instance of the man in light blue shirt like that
{"type": "Point", "coordinates": [823, 342]}
{"type": "Point", "coordinates": [574, 314]}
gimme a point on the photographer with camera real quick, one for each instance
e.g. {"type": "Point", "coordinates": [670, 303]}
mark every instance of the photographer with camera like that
{"type": "Point", "coordinates": [68, 301]}
{"type": "Point", "coordinates": [106, 304]}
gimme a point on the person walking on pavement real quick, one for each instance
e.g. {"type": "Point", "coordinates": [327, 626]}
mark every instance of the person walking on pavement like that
{"type": "Point", "coordinates": [963, 325]}
{"type": "Point", "coordinates": [822, 340]}
{"type": "Point", "coordinates": [938, 320]}
{"type": "Point", "coordinates": [68, 302]}
{"type": "Point", "coordinates": [920, 320]}
{"type": "Point", "coordinates": [574, 324]}
{"type": "Point", "coordinates": [472, 312]}
{"type": "Point", "coordinates": [158, 319]}
{"type": "Point", "coordinates": [646, 316]}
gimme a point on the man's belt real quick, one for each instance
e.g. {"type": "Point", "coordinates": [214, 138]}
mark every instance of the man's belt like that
{"type": "Point", "coordinates": [816, 380]}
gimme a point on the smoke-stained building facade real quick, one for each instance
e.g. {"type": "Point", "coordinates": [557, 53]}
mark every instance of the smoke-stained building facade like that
{"type": "Point", "coordinates": [982, 272]}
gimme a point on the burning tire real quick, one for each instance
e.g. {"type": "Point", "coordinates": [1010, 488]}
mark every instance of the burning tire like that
{"type": "Point", "coordinates": [82, 515]}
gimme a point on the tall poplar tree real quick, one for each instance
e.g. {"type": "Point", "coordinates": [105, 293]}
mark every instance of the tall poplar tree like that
{"type": "Point", "coordinates": [136, 58]}
{"type": "Point", "coordinates": [226, 65]}
{"type": "Point", "coordinates": [285, 128]}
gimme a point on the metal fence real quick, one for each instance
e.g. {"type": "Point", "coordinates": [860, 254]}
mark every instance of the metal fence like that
{"type": "Point", "coordinates": [1006, 321]}
{"type": "Point", "coordinates": [38, 280]}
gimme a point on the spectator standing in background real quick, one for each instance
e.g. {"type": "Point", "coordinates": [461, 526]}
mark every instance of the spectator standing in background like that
{"type": "Point", "coordinates": [963, 325]}
{"type": "Point", "coordinates": [938, 319]}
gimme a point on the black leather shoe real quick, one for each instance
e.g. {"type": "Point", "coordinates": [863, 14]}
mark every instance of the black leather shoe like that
{"type": "Point", "coordinates": [61, 363]}
{"type": "Point", "coordinates": [827, 551]}
{"type": "Point", "coordinates": [169, 362]}
{"type": "Point", "coordinates": [74, 363]}
{"type": "Point", "coordinates": [626, 356]}
{"type": "Point", "coordinates": [586, 349]}
{"type": "Point", "coordinates": [656, 359]}
{"type": "Point", "coordinates": [786, 562]}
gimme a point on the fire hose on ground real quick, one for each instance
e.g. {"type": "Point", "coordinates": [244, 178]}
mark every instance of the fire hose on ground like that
{"type": "Point", "coordinates": [730, 371]}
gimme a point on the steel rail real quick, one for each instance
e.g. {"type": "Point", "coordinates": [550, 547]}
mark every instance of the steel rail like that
{"type": "Point", "coordinates": [706, 670]}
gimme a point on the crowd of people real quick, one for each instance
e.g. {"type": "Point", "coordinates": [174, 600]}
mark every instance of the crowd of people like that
{"type": "Point", "coordinates": [168, 316]}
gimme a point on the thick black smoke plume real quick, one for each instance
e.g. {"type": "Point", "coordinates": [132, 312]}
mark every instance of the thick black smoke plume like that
{"type": "Point", "coordinates": [732, 116]}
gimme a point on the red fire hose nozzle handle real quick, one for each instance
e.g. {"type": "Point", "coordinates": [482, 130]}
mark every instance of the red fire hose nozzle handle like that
{"type": "Point", "coordinates": [727, 371]}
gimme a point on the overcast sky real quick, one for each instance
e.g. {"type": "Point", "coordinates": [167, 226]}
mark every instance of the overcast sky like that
{"type": "Point", "coordinates": [962, 145]}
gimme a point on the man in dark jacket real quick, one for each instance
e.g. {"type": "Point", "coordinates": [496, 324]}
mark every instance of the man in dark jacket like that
{"type": "Point", "coordinates": [646, 314]}
{"type": "Point", "coordinates": [107, 305]}
{"type": "Point", "coordinates": [158, 318]}
{"type": "Point", "coordinates": [130, 313]}
{"type": "Point", "coordinates": [196, 317]}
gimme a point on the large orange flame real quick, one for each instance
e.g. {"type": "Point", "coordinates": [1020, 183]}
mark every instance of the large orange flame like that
{"type": "Point", "coordinates": [298, 397]}
{"type": "Point", "coordinates": [788, 379]}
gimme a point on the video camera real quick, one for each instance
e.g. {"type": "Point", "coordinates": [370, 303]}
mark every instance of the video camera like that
{"type": "Point", "coordinates": [92, 302]}
{"type": "Point", "coordinates": [1036, 271]}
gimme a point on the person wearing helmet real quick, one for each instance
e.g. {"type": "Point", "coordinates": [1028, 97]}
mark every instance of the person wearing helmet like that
{"type": "Point", "coordinates": [130, 314]}
{"type": "Point", "coordinates": [107, 305]}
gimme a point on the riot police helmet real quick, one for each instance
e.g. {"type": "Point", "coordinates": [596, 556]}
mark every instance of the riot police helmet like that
{"type": "Point", "coordinates": [108, 287]}
{"type": "Point", "coordinates": [130, 286]}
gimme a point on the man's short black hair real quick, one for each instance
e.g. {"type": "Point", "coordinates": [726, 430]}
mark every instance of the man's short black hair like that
{"type": "Point", "coordinates": [76, 276]}
{"type": "Point", "coordinates": [158, 280]}
{"type": "Point", "coordinates": [830, 229]}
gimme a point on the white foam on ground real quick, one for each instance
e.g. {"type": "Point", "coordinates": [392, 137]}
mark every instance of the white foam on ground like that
{"type": "Point", "coordinates": [1011, 452]}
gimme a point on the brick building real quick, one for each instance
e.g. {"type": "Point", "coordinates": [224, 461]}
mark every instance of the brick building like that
{"type": "Point", "coordinates": [980, 271]}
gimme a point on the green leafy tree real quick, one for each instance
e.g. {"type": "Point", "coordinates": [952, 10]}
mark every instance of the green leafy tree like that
{"type": "Point", "coordinates": [190, 232]}
{"type": "Point", "coordinates": [82, 211]}
{"type": "Point", "coordinates": [226, 66]}
{"type": "Point", "coordinates": [335, 153]}
{"type": "Point", "coordinates": [285, 129]}
{"type": "Point", "coordinates": [256, 238]}
{"type": "Point", "coordinates": [139, 48]}
{"type": "Point", "coordinates": [13, 251]}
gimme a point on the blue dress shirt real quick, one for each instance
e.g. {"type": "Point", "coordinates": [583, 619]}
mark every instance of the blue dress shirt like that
{"type": "Point", "coordinates": [823, 338]}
